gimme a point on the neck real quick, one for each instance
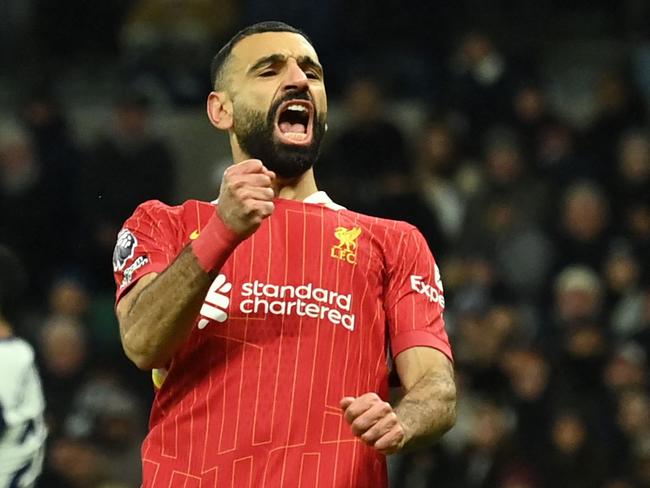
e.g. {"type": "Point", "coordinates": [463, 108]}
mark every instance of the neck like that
{"type": "Point", "coordinates": [5, 329]}
{"type": "Point", "coordinates": [298, 188]}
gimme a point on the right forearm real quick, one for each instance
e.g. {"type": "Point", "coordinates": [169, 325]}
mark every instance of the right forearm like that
{"type": "Point", "coordinates": [163, 313]}
{"type": "Point", "coordinates": [157, 316]}
{"type": "Point", "coordinates": [157, 319]}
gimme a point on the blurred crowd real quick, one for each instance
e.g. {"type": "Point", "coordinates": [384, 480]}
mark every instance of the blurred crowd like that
{"type": "Point", "coordinates": [542, 233]}
{"type": "Point", "coordinates": [541, 229]}
{"type": "Point", "coordinates": [62, 205]}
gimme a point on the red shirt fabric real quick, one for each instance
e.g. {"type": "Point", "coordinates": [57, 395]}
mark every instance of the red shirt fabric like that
{"type": "Point", "coordinates": [307, 310]}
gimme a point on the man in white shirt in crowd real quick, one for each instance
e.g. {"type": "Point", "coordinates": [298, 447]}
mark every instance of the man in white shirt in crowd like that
{"type": "Point", "coordinates": [22, 428]}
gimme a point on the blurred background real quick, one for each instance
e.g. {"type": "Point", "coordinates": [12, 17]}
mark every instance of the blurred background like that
{"type": "Point", "coordinates": [514, 134]}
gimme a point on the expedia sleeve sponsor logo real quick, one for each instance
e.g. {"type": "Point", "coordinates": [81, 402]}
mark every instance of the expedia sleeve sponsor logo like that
{"type": "Point", "coordinates": [259, 298]}
{"type": "Point", "coordinates": [433, 293]}
{"type": "Point", "coordinates": [437, 278]}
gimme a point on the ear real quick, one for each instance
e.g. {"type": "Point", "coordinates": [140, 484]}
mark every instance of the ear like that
{"type": "Point", "coordinates": [219, 109]}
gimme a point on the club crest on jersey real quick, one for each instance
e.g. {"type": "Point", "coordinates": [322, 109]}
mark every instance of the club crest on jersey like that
{"type": "Point", "coordinates": [346, 249]}
{"type": "Point", "coordinates": [124, 249]}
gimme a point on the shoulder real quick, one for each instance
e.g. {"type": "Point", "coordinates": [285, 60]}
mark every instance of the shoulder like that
{"type": "Point", "coordinates": [397, 242]}
{"type": "Point", "coordinates": [155, 225]}
{"type": "Point", "coordinates": [159, 213]}
{"type": "Point", "coordinates": [16, 353]}
{"type": "Point", "coordinates": [377, 226]}
{"type": "Point", "coordinates": [157, 208]}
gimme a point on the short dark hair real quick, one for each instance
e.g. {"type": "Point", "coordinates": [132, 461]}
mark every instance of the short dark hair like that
{"type": "Point", "coordinates": [222, 56]}
{"type": "Point", "coordinates": [13, 280]}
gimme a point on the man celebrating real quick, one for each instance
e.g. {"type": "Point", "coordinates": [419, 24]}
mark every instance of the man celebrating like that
{"type": "Point", "coordinates": [270, 318]}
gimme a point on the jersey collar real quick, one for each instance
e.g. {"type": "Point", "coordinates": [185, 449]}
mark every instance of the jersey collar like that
{"type": "Point", "coordinates": [321, 198]}
{"type": "Point", "coordinates": [316, 198]}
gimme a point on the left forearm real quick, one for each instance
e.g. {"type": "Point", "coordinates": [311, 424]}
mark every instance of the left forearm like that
{"type": "Point", "coordinates": [428, 409]}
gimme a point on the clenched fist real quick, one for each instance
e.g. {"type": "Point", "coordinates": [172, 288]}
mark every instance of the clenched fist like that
{"type": "Point", "coordinates": [246, 196]}
{"type": "Point", "coordinates": [374, 422]}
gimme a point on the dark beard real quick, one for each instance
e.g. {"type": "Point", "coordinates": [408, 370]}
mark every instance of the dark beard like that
{"type": "Point", "coordinates": [255, 135]}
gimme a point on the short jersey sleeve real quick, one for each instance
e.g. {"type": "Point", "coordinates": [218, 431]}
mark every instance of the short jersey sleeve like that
{"type": "Point", "coordinates": [147, 243]}
{"type": "Point", "coordinates": [414, 301]}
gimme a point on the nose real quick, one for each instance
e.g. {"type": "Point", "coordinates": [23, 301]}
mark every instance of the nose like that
{"type": "Point", "coordinates": [296, 78]}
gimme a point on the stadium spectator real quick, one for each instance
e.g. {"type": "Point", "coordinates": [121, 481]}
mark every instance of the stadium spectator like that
{"type": "Point", "coordinates": [578, 296]}
{"type": "Point", "coordinates": [631, 182]}
{"type": "Point", "coordinates": [65, 358]}
{"type": "Point", "coordinates": [583, 227]}
{"type": "Point", "coordinates": [531, 117]}
{"type": "Point", "coordinates": [636, 224]}
{"type": "Point", "coordinates": [127, 165]}
{"type": "Point", "coordinates": [107, 416]}
{"type": "Point", "coordinates": [56, 151]}
{"type": "Point", "coordinates": [76, 464]}
{"type": "Point", "coordinates": [641, 467]}
{"type": "Point", "coordinates": [632, 417]}
{"type": "Point", "coordinates": [619, 108]}
{"type": "Point", "coordinates": [490, 459]}
{"type": "Point", "coordinates": [57, 29]}
{"type": "Point", "coordinates": [504, 217]}
{"type": "Point", "coordinates": [485, 340]}
{"type": "Point", "coordinates": [558, 158]}
{"type": "Point", "coordinates": [481, 85]}
{"type": "Point", "coordinates": [22, 426]}
{"type": "Point", "coordinates": [165, 45]}
{"type": "Point", "coordinates": [445, 179]}
{"type": "Point", "coordinates": [68, 299]}
{"type": "Point", "coordinates": [626, 369]}
{"type": "Point", "coordinates": [26, 222]}
{"type": "Point", "coordinates": [366, 148]}
{"type": "Point", "coordinates": [623, 272]}
{"type": "Point", "coordinates": [15, 25]}
{"type": "Point", "coordinates": [369, 167]}
{"type": "Point", "coordinates": [532, 396]}
{"type": "Point", "coordinates": [643, 319]}
{"type": "Point", "coordinates": [507, 177]}
{"type": "Point", "coordinates": [572, 458]}
{"type": "Point", "coordinates": [577, 341]}
{"type": "Point", "coordinates": [397, 197]}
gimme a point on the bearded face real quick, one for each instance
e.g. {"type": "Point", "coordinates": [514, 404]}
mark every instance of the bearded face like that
{"type": "Point", "coordinates": [287, 138]}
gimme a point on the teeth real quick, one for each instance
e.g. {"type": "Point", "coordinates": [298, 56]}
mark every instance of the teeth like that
{"type": "Point", "coordinates": [296, 136]}
{"type": "Point", "coordinates": [297, 108]}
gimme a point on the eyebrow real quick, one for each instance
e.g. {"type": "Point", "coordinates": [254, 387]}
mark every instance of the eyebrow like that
{"type": "Point", "coordinates": [303, 61]}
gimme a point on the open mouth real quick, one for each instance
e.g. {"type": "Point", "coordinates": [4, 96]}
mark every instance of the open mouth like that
{"type": "Point", "coordinates": [294, 122]}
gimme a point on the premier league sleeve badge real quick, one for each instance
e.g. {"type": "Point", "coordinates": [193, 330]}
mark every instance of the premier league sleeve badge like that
{"type": "Point", "coordinates": [124, 249]}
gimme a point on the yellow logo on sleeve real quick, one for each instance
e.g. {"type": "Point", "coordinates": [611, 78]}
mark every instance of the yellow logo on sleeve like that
{"type": "Point", "coordinates": [194, 235]}
{"type": "Point", "coordinates": [346, 249]}
{"type": "Point", "coordinates": [158, 376]}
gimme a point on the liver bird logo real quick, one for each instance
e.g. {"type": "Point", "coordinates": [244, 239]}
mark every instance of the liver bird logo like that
{"type": "Point", "coordinates": [347, 237]}
{"type": "Point", "coordinates": [346, 249]}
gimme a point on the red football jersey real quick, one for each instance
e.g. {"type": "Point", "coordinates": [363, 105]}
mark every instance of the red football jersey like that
{"type": "Point", "coordinates": [304, 312]}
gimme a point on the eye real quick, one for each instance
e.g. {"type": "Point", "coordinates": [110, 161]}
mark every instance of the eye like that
{"type": "Point", "coordinates": [312, 75]}
{"type": "Point", "coordinates": [267, 73]}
